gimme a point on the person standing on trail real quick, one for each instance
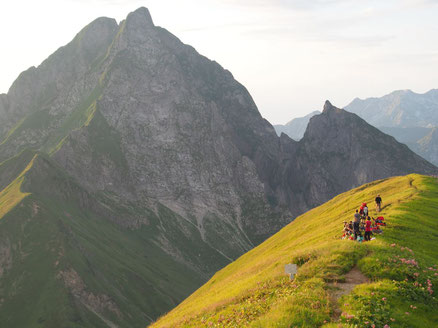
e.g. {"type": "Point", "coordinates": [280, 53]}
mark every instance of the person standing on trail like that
{"type": "Point", "coordinates": [368, 229]}
{"type": "Point", "coordinates": [356, 223]}
{"type": "Point", "coordinates": [378, 203]}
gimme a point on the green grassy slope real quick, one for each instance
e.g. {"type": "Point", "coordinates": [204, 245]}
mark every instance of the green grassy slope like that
{"type": "Point", "coordinates": [12, 194]}
{"type": "Point", "coordinates": [65, 263]}
{"type": "Point", "coordinates": [402, 263]}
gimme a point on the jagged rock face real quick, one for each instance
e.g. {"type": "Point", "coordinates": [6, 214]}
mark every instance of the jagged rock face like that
{"type": "Point", "coordinates": [178, 128]}
{"type": "Point", "coordinates": [190, 136]}
{"type": "Point", "coordinates": [340, 151]}
{"type": "Point", "coordinates": [41, 100]}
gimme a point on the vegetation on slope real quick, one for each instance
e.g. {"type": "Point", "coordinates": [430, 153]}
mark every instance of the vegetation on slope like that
{"type": "Point", "coordinates": [65, 263]}
{"type": "Point", "coordinates": [12, 194]}
{"type": "Point", "coordinates": [402, 265]}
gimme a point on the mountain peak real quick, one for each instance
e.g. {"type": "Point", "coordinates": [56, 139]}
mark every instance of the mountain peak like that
{"type": "Point", "coordinates": [140, 18]}
{"type": "Point", "coordinates": [329, 108]}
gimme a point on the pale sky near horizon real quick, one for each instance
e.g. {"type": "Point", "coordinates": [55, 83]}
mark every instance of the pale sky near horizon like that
{"type": "Point", "coordinates": [292, 55]}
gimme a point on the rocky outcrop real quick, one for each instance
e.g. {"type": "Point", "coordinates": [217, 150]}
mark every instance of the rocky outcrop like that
{"type": "Point", "coordinates": [45, 103]}
{"type": "Point", "coordinates": [97, 303]}
{"type": "Point", "coordinates": [187, 134]}
{"type": "Point", "coordinates": [5, 256]}
{"type": "Point", "coordinates": [340, 151]}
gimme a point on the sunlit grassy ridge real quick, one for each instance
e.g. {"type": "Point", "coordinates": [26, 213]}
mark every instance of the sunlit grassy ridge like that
{"type": "Point", "coordinates": [12, 194]}
{"type": "Point", "coordinates": [254, 291]}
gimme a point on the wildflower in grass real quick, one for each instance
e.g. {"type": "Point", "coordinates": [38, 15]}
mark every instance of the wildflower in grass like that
{"type": "Point", "coordinates": [429, 287]}
{"type": "Point", "coordinates": [416, 274]}
{"type": "Point", "coordinates": [384, 299]}
{"type": "Point", "coordinates": [386, 326]}
{"type": "Point", "coordinates": [412, 262]}
{"type": "Point", "coordinates": [392, 245]}
{"type": "Point", "coordinates": [407, 313]}
{"type": "Point", "coordinates": [392, 319]}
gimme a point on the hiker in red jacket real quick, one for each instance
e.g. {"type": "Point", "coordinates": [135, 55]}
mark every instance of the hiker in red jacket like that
{"type": "Point", "coordinates": [368, 229]}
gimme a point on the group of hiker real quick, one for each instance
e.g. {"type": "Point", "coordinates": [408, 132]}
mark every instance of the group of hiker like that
{"type": "Point", "coordinates": [362, 222]}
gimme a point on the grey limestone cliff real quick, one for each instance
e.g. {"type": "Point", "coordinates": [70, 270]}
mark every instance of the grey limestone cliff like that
{"type": "Point", "coordinates": [340, 150]}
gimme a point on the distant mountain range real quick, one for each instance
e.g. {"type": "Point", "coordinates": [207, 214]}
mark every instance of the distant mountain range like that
{"type": "Point", "coordinates": [132, 169]}
{"type": "Point", "coordinates": [401, 109]}
{"type": "Point", "coordinates": [296, 127]}
{"type": "Point", "coordinates": [409, 117]}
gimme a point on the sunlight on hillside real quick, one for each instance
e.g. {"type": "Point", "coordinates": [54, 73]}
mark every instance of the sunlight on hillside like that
{"type": "Point", "coordinates": [254, 291]}
{"type": "Point", "coordinates": [12, 194]}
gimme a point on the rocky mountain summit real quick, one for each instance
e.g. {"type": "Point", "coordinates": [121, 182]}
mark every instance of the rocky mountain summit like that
{"type": "Point", "coordinates": [340, 150]}
{"type": "Point", "coordinates": [133, 168]}
{"type": "Point", "coordinates": [409, 117]}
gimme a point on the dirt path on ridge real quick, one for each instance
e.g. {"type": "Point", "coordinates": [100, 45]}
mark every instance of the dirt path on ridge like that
{"type": "Point", "coordinates": [352, 279]}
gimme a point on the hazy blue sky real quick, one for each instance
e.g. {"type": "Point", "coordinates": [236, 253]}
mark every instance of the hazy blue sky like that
{"type": "Point", "coordinates": [292, 55]}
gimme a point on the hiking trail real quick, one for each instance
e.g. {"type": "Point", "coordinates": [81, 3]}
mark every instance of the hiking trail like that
{"type": "Point", "coordinates": [352, 279]}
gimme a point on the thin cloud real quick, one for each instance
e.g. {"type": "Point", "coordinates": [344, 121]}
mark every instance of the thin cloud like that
{"type": "Point", "coordinates": [107, 2]}
{"type": "Point", "coordinates": [292, 4]}
{"type": "Point", "coordinates": [421, 3]}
